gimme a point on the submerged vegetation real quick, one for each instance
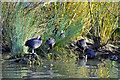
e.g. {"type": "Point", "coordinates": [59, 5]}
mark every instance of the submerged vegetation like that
{"type": "Point", "coordinates": [23, 21]}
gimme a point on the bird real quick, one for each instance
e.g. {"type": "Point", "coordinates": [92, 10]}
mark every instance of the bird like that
{"type": "Point", "coordinates": [50, 42]}
{"type": "Point", "coordinates": [62, 35]}
{"type": "Point", "coordinates": [34, 43]}
{"type": "Point", "coordinates": [90, 53]}
{"type": "Point", "coordinates": [82, 45]}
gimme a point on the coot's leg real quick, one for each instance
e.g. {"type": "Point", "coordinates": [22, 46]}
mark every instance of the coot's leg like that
{"type": "Point", "coordinates": [32, 51]}
{"type": "Point", "coordinates": [51, 46]}
{"type": "Point", "coordinates": [48, 50]}
{"type": "Point", "coordinates": [83, 52]}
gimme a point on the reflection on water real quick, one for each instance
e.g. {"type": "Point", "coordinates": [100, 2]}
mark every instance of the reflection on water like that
{"type": "Point", "coordinates": [59, 69]}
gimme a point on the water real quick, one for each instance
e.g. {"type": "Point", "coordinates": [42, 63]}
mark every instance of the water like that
{"type": "Point", "coordinates": [60, 69]}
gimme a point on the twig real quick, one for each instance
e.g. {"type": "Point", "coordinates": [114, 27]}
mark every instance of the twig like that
{"type": "Point", "coordinates": [118, 36]}
{"type": "Point", "coordinates": [33, 8]}
{"type": "Point", "coordinates": [28, 5]}
{"type": "Point", "coordinates": [111, 11]}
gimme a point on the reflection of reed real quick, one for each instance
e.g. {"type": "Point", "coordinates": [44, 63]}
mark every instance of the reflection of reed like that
{"type": "Point", "coordinates": [80, 69]}
{"type": "Point", "coordinates": [13, 70]}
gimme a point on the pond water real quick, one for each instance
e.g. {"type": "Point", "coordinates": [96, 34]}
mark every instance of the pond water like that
{"type": "Point", "coordinates": [60, 69]}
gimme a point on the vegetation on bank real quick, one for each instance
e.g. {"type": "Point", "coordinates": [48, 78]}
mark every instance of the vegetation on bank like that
{"type": "Point", "coordinates": [23, 21]}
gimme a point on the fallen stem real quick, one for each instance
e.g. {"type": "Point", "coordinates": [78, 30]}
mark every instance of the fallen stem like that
{"type": "Point", "coordinates": [111, 11]}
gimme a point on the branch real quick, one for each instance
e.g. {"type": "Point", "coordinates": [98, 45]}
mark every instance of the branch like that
{"type": "Point", "coordinates": [111, 11]}
{"type": "Point", "coordinates": [118, 36]}
{"type": "Point", "coordinates": [28, 5]}
{"type": "Point", "coordinates": [33, 8]}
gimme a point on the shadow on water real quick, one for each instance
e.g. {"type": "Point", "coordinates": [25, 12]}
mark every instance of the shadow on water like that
{"type": "Point", "coordinates": [59, 69]}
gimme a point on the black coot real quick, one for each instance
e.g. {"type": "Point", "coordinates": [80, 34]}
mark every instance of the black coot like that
{"type": "Point", "coordinates": [90, 53]}
{"type": "Point", "coordinates": [34, 43]}
{"type": "Point", "coordinates": [50, 42]}
{"type": "Point", "coordinates": [82, 45]}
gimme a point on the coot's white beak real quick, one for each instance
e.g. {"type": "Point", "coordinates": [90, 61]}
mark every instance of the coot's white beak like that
{"type": "Point", "coordinates": [40, 37]}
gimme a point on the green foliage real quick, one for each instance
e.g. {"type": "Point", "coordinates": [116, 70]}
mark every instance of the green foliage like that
{"type": "Point", "coordinates": [103, 19]}
{"type": "Point", "coordinates": [21, 22]}
{"type": "Point", "coordinates": [18, 27]}
{"type": "Point", "coordinates": [65, 18]}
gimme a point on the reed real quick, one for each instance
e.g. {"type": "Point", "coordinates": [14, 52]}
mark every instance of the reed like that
{"type": "Point", "coordinates": [103, 20]}
{"type": "Point", "coordinates": [68, 17]}
{"type": "Point", "coordinates": [23, 21]}
{"type": "Point", "coordinates": [18, 27]}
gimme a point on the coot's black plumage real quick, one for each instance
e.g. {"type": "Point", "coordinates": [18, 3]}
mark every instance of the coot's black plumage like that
{"type": "Point", "coordinates": [82, 47]}
{"type": "Point", "coordinates": [50, 42]}
{"type": "Point", "coordinates": [34, 43]}
{"type": "Point", "coordinates": [82, 44]}
{"type": "Point", "coordinates": [90, 53]}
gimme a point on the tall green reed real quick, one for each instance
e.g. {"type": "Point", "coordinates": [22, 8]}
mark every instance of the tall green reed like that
{"type": "Point", "coordinates": [69, 18]}
{"type": "Point", "coordinates": [21, 22]}
{"type": "Point", "coordinates": [18, 27]}
{"type": "Point", "coordinates": [103, 22]}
